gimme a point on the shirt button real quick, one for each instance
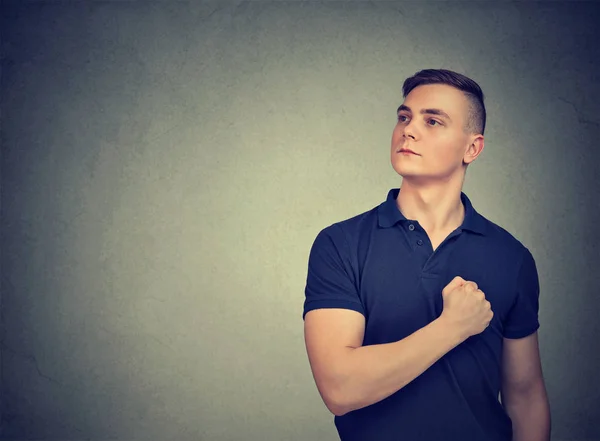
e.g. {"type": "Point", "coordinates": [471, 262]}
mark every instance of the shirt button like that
{"type": "Point", "coordinates": [419, 242]}
{"type": "Point", "coordinates": [411, 227]}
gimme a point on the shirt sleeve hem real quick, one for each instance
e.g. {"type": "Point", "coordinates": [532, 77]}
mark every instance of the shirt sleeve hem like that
{"type": "Point", "coordinates": [520, 332]}
{"type": "Point", "coordinates": [343, 304]}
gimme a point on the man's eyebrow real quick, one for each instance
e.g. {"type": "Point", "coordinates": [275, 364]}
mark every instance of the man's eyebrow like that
{"type": "Point", "coordinates": [425, 111]}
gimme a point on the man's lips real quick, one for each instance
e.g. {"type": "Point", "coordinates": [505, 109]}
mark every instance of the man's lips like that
{"type": "Point", "coordinates": [407, 151]}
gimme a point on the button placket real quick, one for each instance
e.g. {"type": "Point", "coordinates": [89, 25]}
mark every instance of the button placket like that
{"type": "Point", "coordinates": [411, 227]}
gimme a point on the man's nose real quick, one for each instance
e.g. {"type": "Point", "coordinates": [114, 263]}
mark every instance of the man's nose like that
{"type": "Point", "coordinates": [408, 131]}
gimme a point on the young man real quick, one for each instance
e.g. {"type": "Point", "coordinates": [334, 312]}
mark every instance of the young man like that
{"type": "Point", "coordinates": [420, 312]}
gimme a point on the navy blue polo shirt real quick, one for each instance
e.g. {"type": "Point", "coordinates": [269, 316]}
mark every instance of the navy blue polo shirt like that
{"type": "Point", "coordinates": [383, 265]}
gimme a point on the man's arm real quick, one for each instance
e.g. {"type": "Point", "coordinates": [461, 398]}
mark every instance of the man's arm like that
{"type": "Point", "coordinates": [350, 376]}
{"type": "Point", "coordinates": [523, 391]}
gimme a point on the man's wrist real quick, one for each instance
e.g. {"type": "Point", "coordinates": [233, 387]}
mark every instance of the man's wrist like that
{"type": "Point", "coordinates": [451, 329]}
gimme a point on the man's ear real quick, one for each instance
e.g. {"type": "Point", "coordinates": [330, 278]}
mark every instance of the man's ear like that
{"type": "Point", "coordinates": [474, 150]}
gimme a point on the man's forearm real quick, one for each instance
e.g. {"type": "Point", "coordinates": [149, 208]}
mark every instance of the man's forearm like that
{"type": "Point", "coordinates": [374, 372]}
{"type": "Point", "coordinates": [530, 413]}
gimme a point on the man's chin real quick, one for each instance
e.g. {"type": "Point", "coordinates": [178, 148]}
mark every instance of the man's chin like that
{"type": "Point", "coordinates": [404, 172]}
{"type": "Point", "coordinates": [416, 178]}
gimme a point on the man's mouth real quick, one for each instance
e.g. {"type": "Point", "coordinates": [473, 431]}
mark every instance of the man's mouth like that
{"type": "Point", "coordinates": [406, 151]}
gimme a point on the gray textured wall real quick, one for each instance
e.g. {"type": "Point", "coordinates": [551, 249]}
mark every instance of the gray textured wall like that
{"type": "Point", "coordinates": [166, 167]}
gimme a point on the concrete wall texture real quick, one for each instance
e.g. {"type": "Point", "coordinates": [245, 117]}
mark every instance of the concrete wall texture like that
{"type": "Point", "coordinates": [167, 165]}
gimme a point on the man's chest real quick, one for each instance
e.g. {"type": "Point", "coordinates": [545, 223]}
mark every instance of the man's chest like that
{"type": "Point", "coordinates": [401, 288]}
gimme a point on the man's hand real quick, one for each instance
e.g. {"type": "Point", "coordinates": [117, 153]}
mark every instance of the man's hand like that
{"type": "Point", "coordinates": [465, 307]}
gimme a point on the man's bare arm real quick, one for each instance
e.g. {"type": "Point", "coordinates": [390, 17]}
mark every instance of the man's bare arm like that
{"type": "Point", "coordinates": [350, 376]}
{"type": "Point", "coordinates": [523, 390]}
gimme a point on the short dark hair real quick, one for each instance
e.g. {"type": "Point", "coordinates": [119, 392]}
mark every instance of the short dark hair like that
{"type": "Point", "coordinates": [476, 118]}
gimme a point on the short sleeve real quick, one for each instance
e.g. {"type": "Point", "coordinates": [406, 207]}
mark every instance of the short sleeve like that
{"type": "Point", "coordinates": [522, 318]}
{"type": "Point", "coordinates": [329, 283]}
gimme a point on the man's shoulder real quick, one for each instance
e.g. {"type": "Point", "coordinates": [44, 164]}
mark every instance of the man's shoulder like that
{"type": "Point", "coordinates": [503, 239]}
{"type": "Point", "coordinates": [344, 235]}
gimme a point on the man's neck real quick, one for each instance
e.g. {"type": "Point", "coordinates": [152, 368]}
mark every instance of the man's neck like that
{"type": "Point", "coordinates": [437, 208]}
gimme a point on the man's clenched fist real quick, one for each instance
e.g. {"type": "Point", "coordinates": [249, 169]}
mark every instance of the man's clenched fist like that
{"type": "Point", "coordinates": [465, 307]}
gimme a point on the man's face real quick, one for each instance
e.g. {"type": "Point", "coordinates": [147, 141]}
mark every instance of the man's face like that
{"type": "Point", "coordinates": [438, 139]}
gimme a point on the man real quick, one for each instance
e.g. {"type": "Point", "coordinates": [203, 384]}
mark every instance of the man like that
{"type": "Point", "coordinates": [420, 313]}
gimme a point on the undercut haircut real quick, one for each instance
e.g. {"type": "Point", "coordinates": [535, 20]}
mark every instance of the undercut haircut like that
{"type": "Point", "coordinates": [476, 117]}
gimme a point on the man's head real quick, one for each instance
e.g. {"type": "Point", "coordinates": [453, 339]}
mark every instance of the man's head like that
{"type": "Point", "coordinates": [442, 119]}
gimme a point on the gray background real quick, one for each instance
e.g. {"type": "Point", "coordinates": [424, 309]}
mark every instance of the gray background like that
{"type": "Point", "coordinates": [167, 165]}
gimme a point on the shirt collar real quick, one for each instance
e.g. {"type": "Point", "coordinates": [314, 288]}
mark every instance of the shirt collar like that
{"type": "Point", "coordinates": [389, 213]}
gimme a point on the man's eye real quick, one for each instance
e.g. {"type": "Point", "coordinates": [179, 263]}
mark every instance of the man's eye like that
{"type": "Point", "coordinates": [400, 119]}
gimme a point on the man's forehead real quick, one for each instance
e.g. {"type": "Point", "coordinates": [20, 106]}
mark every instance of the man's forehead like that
{"type": "Point", "coordinates": [446, 99]}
